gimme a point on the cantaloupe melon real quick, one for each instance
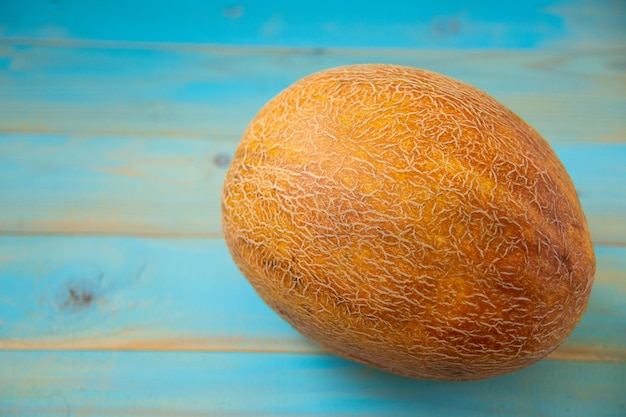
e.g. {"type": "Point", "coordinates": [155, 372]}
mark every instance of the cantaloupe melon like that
{"type": "Point", "coordinates": [408, 221]}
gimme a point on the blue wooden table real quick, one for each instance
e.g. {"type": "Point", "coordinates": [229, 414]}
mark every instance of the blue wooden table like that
{"type": "Point", "coordinates": [118, 120]}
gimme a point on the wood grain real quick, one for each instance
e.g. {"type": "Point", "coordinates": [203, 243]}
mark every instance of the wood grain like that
{"type": "Point", "coordinates": [111, 185]}
{"type": "Point", "coordinates": [349, 23]}
{"type": "Point", "coordinates": [164, 187]}
{"type": "Point", "coordinates": [94, 293]}
{"type": "Point", "coordinates": [97, 88]}
{"type": "Point", "coordinates": [243, 384]}
{"type": "Point", "coordinates": [117, 120]}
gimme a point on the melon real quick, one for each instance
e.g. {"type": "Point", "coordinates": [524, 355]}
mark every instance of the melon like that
{"type": "Point", "coordinates": [408, 221]}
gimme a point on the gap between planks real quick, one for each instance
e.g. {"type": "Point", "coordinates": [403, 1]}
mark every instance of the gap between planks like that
{"type": "Point", "coordinates": [566, 352]}
{"type": "Point", "coordinates": [86, 134]}
{"type": "Point", "coordinates": [82, 43]}
{"type": "Point", "coordinates": [116, 233]}
{"type": "Point", "coordinates": [164, 235]}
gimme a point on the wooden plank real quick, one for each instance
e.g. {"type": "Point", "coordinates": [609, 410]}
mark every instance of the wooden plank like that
{"type": "Point", "coordinates": [157, 90]}
{"type": "Point", "coordinates": [111, 185]}
{"type": "Point", "coordinates": [171, 187]}
{"type": "Point", "coordinates": [119, 118]}
{"type": "Point", "coordinates": [126, 293]}
{"type": "Point", "coordinates": [243, 384]}
{"type": "Point", "coordinates": [94, 293]}
{"type": "Point", "coordinates": [449, 24]}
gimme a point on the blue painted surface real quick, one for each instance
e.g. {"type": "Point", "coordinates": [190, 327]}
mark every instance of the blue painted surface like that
{"type": "Point", "coordinates": [164, 186]}
{"type": "Point", "coordinates": [213, 92]}
{"type": "Point", "coordinates": [352, 23]}
{"type": "Point", "coordinates": [111, 184]}
{"type": "Point", "coordinates": [187, 294]}
{"type": "Point", "coordinates": [132, 293]}
{"type": "Point", "coordinates": [191, 384]}
{"type": "Point", "coordinates": [117, 121]}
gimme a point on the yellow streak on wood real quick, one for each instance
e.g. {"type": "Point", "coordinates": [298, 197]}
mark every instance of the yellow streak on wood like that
{"type": "Point", "coordinates": [227, 344]}
{"type": "Point", "coordinates": [85, 228]}
{"type": "Point", "coordinates": [71, 227]}
{"type": "Point", "coordinates": [588, 353]}
{"type": "Point", "coordinates": [567, 352]}
{"type": "Point", "coordinates": [78, 228]}
{"type": "Point", "coordinates": [160, 132]}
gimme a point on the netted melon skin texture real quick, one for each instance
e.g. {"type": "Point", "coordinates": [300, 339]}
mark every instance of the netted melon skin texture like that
{"type": "Point", "coordinates": [410, 222]}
